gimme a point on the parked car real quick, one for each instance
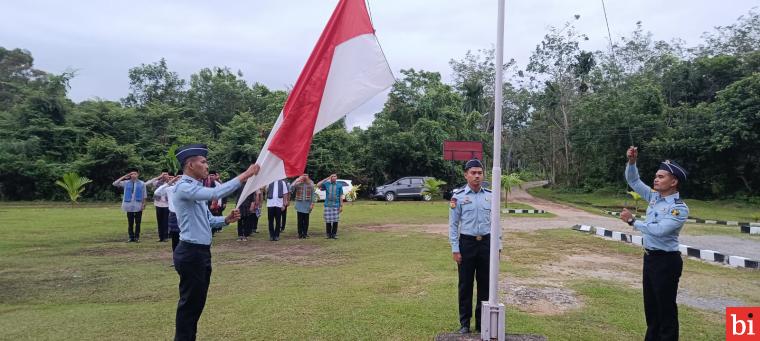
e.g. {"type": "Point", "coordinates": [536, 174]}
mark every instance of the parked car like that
{"type": "Point", "coordinates": [407, 187]}
{"type": "Point", "coordinates": [448, 193]}
{"type": "Point", "coordinates": [346, 188]}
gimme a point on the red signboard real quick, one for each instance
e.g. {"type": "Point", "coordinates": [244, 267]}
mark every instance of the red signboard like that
{"type": "Point", "coordinates": [742, 323]}
{"type": "Point", "coordinates": [462, 150]}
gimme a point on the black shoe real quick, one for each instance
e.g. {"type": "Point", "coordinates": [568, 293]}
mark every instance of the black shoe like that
{"type": "Point", "coordinates": [131, 240]}
{"type": "Point", "coordinates": [276, 238]}
{"type": "Point", "coordinates": [137, 240]}
{"type": "Point", "coordinates": [271, 239]}
{"type": "Point", "coordinates": [464, 330]}
{"type": "Point", "coordinates": [306, 236]}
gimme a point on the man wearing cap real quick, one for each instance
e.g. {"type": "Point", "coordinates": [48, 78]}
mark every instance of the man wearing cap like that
{"type": "Point", "coordinates": [666, 215]}
{"type": "Point", "coordinates": [192, 257]}
{"type": "Point", "coordinates": [133, 202]}
{"type": "Point", "coordinates": [469, 235]}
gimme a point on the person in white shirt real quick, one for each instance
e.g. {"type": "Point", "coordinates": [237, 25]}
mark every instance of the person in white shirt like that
{"type": "Point", "coordinates": [167, 189]}
{"type": "Point", "coordinates": [161, 204]}
{"type": "Point", "coordinates": [277, 200]}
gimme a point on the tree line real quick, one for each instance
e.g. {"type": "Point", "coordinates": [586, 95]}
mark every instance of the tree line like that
{"type": "Point", "coordinates": [568, 116]}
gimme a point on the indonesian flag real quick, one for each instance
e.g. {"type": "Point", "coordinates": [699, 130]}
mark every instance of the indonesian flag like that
{"type": "Point", "coordinates": [346, 68]}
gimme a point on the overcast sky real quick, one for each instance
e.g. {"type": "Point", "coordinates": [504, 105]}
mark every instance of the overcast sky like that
{"type": "Point", "coordinates": [269, 41]}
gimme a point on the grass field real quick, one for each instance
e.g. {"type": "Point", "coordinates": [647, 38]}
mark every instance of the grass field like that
{"type": "Point", "coordinates": [67, 274]}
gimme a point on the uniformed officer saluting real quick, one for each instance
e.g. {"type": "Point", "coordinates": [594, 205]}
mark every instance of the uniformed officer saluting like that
{"type": "Point", "coordinates": [192, 257]}
{"type": "Point", "coordinates": [666, 215]}
{"type": "Point", "coordinates": [469, 234]}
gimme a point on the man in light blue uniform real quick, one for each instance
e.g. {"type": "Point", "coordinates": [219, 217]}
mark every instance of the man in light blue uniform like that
{"type": "Point", "coordinates": [663, 265]}
{"type": "Point", "coordinates": [469, 235]}
{"type": "Point", "coordinates": [192, 257]}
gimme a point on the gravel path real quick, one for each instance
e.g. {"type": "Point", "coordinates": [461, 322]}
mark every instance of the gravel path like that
{"type": "Point", "coordinates": [568, 216]}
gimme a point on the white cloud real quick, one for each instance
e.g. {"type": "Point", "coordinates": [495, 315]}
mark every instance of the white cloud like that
{"type": "Point", "coordinates": [270, 40]}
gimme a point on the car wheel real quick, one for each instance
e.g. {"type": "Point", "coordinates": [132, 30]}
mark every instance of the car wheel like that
{"type": "Point", "coordinates": [427, 197]}
{"type": "Point", "coordinates": [390, 196]}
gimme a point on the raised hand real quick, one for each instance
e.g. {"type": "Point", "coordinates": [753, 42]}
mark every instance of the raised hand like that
{"type": "Point", "coordinates": [632, 154]}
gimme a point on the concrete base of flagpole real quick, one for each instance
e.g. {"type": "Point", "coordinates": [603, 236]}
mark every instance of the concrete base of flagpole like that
{"type": "Point", "coordinates": [476, 336]}
{"type": "Point", "coordinates": [492, 321]}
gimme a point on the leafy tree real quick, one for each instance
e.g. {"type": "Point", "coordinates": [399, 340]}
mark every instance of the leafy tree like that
{"type": "Point", "coordinates": [154, 83]}
{"type": "Point", "coordinates": [217, 95]}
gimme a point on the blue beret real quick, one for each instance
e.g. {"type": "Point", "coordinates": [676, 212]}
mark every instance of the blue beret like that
{"type": "Point", "coordinates": [473, 163]}
{"type": "Point", "coordinates": [675, 169]}
{"type": "Point", "coordinates": [189, 151]}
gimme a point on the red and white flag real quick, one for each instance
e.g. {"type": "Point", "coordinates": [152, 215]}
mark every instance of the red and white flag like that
{"type": "Point", "coordinates": [346, 68]}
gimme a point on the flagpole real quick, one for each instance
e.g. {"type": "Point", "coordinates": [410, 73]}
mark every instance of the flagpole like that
{"type": "Point", "coordinates": [493, 313]}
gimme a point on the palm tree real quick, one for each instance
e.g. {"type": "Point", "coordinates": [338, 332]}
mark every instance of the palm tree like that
{"type": "Point", "coordinates": [431, 188]}
{"type": "Point", "coordinates": [636, 198]}
{"type": "Point", "coordinates": [74, 185]}
{"type": "Point", "coordinates": [507, 181]}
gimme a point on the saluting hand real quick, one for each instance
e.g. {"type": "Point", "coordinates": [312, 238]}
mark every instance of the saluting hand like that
{"type": "Point", "coordinates": [632, 154]}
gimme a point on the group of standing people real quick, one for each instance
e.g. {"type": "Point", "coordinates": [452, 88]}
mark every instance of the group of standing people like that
{"type": "Point", "coordinates": [136, 194]}
{"type": "Point", "coordinates": [279, 195]}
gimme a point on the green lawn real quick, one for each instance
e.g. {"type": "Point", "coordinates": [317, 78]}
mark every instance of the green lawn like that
{"type": "Point", "coordinates": [67, 274]}
{"type": "Point", "coordinates": [595, 202]}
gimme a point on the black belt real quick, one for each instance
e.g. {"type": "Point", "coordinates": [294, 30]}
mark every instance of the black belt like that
{"type": "Point", "coordinates": [194, 246]}
{"type": "Point", "coordinates": [476, 238]}
{"type": "Point", "coordinates": [650, 252]}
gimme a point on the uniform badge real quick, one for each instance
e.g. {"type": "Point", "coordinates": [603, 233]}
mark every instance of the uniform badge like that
{"type": "Point", "coordinates": [453, 203]}
{"type": "Point", "coordinates": [466, 200]}
{"type": "Point", "coordinates": [675, 212]}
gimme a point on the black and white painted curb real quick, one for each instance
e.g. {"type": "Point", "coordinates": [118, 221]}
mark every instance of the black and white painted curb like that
{"type": "Point", "coordinates": [522, 211]}
{"type": "Point", "coordinates": [708, 255]}
{"type": "Point", "coordinates": [746, 227]}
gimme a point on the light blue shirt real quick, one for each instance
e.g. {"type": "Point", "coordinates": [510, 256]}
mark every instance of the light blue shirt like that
{"type": "Point", "coordinates": [470, 214]}
{"type": "Point", "coordinates": [665, 215]}
{"type": "Point", "coordinates": [190, 199]}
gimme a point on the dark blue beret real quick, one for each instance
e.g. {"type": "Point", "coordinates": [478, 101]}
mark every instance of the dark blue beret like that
{"type": "Point", "coordinates": [189, 151]}
{"type": "Point", "coordinates": [473, 163]}
{"type": "Point", "coordinates": [675, 169]}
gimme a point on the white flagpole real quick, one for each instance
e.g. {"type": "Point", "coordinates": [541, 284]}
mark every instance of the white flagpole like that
{"type": "Point", "coordinates": [493, 313]}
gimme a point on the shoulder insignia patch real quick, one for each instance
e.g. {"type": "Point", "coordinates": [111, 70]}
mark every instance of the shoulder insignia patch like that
{"type": "Point", "coordinates": [675, 212]}
{"type": "Point", "coordinates": [678, 201]}
{"type": "Point", "coordinates": [453, 203]}
{"type": "Point", "coordinates": [457, 191]}
{"type": "Point", "coordinates": [487, 190]}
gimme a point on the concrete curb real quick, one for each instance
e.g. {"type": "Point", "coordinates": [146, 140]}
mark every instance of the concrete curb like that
{"type": "Point", "coordinates": [504, 210]}
{"type": "Point", "coordinates": [703, 254]}
{"type": "Point", "coordinates": [746, 227]}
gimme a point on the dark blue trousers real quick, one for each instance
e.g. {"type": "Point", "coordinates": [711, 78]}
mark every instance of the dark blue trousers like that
{"type": "Point", "coordinates": [193, 264]}
{"type": "Point", "coordinates": [661, 273]}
